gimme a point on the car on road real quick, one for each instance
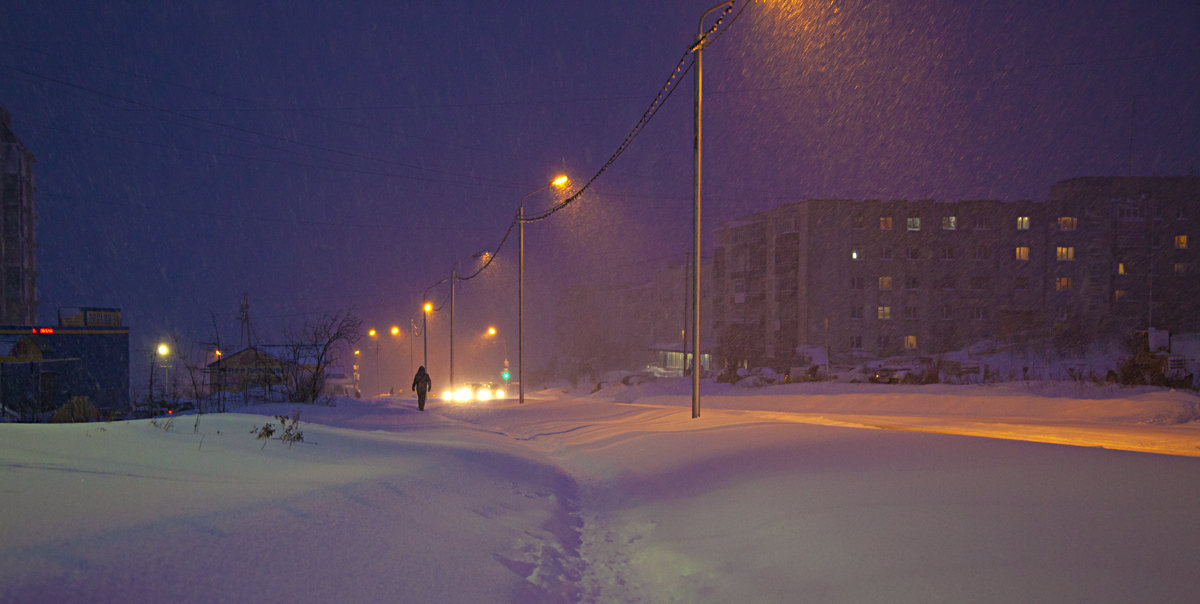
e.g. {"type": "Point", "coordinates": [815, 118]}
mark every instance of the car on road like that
{"type": "Point", "coordinates": [474, 392]}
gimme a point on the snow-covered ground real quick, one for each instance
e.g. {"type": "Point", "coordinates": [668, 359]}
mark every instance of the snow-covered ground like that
{"type": "Point", "coordinates": [776, 494]}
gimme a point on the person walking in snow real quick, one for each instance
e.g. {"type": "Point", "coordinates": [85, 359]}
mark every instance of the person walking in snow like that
{"type": "Point", "coordinates": [421, 385]}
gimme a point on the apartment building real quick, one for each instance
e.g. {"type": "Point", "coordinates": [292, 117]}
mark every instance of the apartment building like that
{"type": "Point", "coordinates": [876, 278]}
{"type": "Point", "coordinates": [18, 298]}
{"type": "Point", "coordinates": [1138, 238]}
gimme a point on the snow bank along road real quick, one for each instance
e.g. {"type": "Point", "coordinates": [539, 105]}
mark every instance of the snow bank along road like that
{"type": "Point", "coordinates": [587, 499]}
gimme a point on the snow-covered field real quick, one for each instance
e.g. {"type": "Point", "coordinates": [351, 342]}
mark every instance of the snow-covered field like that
{"type": "Point", "coordinates": [796, 493]}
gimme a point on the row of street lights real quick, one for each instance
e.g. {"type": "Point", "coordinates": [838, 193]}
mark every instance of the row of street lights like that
{"type": "Point", "coordinates": [428, 307]}
{"type": "Point", "coordinates": [701, 42]}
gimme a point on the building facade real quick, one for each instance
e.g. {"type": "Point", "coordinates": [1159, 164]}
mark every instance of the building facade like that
{"type": "Point", "coordinates": [18, 298]}
{"type": "Point", "coordinates": [43, 367]}
{"type": "Point", "coordinates": [875, 279]}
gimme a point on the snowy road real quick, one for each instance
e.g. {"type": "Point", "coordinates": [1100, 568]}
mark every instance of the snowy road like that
{"type": "Point", "coordinates": [584, 499]}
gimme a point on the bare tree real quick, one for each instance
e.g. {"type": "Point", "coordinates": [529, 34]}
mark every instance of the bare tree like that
{"type": "Point", "coordinates": [313, 348]}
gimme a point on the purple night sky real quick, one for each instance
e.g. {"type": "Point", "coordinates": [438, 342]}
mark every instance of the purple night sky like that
{"type": "Point", "coordinates": [320, 157]}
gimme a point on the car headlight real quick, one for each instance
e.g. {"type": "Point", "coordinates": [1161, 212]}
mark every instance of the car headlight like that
{"type": "Point", "coordinates": [499, 394]}
{"type": "Point", "coordinates": [463, 394]}
{"type": "Point", "coordinates": [483, 394]}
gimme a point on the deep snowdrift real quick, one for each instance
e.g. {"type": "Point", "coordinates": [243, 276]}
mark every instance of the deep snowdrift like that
{"type": "Point", "coordinates": [581, 498]}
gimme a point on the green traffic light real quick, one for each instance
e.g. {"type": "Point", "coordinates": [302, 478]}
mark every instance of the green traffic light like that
{"type": "Point", "coordinates": [505, 375]}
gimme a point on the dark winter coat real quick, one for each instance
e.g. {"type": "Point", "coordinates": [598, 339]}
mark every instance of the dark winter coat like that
{"type": "Point", "coordinates": [421, 382]}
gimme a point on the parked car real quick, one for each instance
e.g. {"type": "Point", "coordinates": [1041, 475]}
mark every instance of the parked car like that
{"type": "Point", "coordinates": [889, 375]}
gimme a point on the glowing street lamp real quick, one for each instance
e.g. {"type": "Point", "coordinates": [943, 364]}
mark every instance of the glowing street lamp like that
{"type": "Point", "coordinates": [357, 352]}
{"type": "Point", "coordinates": [560, 182]}
{"type": "Point", "coordinates": [491, 333]}
{"type": "Point", "coordinates": [425, 324]}
{"type": "Point", "coordinates": [164, 351]}
{"type": "Point", "coordinates": [374, 335]}
{"type": "Point", "coordinates": [453, 278]}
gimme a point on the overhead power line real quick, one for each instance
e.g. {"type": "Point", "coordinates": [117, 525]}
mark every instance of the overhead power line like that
{"type": "Point", "coordinates": [676, 76]}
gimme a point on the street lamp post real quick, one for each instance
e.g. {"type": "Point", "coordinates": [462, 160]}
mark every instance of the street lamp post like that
{"type": "Point", "coordinates": [701, 42]}
{"type": "Point", "coordinates": [453, 278]}
{"type": "Point", "coordinates": [163, 351]}
{"type": "Point", "coordinates": [560, 181]}
{"type": "Point", "coordinates": [371, 333]}
{"type": "Point", "coordinates": [428, 308]}
{"type": "Point", "coordinates": [491, 333]}
{"type": "Point", "coordinates": [395, 334]}
{"type": "Point", "coordinates": [358, 392]}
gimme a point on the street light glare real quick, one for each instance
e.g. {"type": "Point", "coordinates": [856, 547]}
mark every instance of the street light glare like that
{"type": "Point", "coordinates": [491, 331]}
{"type": "Point", "coordinates": [561, 181]}
{"type": "Point", "coordinates": [371, 333]}
{"type": "Point", "coordinates": [163, 350]}
{"type": "Point", "coordinates": [428, 307]}
{"type": "Point", "coordinates": [395, 330]}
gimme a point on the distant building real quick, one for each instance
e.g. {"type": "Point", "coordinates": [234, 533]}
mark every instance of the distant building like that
{"type": "Point", "coordinates": [631, 326]}
{"type": "Point", "coordinates": [247, 369]}
{"type": "Point", "coordinates": [264, 372]}
{"type": "Point", "coordinates": [18, 283]}
{"type": "Point", "coordinates": [874, 278]}
{"type": "Point", "coordinates": [42, 367]}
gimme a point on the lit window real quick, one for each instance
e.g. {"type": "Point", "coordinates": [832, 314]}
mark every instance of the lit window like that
{"type": "Point", "coordinates": [913, 223]}
{"type": "Point", "coordinates": [1180, 268]}
{"type": "Point", "coordinates": [1063, 284]}
{"type": "Point", "coordinates": [1181, 242]}
{"type": "Point", "coordinates": [885, 223]}
{"type": "Point", "coordinates": [1068, 223]}
{"type": "Point", "coordinates": [1022, 223]}
{"type": "Point", "coordinates": [1120, 268]}
{"type": "Point", "coordinates": [1065, 253]}
{"type": "Point", "coordinates": [1119, 294]}
{"type": "Point", "coordinates": [949, 223]}
{"type": "Point", "coordinates": [885, 283]}
{"type": "Point", "coordinates": [856, 253]}
{"type": "Point", "coordinates": [884, 312]}
{"type": "Point", "coordinates": [1022, 252]}
{"type": "Point", "coordinates": [910, 342]}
